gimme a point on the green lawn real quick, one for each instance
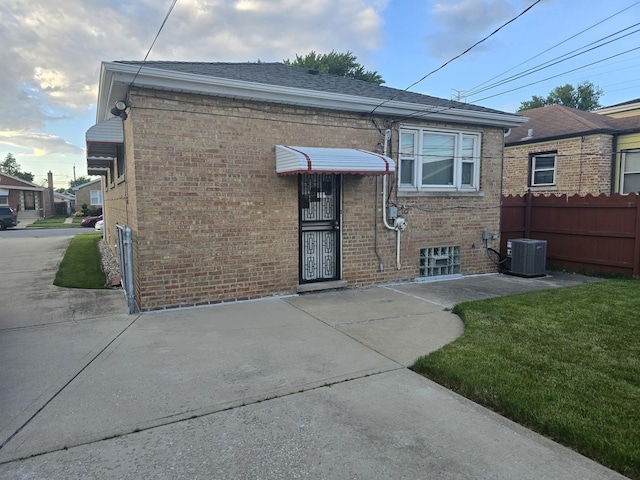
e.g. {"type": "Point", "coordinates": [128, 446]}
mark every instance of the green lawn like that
{"type": "Point", "coordinates": [563, 362]}
{"type": "Point", "coordinates": [56, 221]}
{"type": "Point", "coordinates": [81, 266]}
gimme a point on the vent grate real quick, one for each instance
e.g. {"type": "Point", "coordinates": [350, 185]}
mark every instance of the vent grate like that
{"type": "Point", "coordinates": [437, 261]}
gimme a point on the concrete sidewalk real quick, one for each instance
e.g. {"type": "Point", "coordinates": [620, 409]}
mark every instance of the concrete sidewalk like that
{"type": "Point", "coordinates": [311, 386]}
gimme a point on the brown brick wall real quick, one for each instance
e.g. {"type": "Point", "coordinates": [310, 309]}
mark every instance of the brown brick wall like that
{"type": "Point", "coordinates": [213, 222]}
{"type": "Point", "coordinates": [583, 165]}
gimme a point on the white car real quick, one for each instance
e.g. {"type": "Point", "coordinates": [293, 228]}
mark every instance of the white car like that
{"type": "Point", "coordinates": [99, 225]}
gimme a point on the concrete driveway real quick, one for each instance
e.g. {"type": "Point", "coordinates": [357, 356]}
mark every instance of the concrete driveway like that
{"type": "Point", "coordinates": [311, 386]}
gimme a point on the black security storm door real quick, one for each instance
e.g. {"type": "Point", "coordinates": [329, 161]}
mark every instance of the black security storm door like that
{"type": "Point", "coordinates": [319, 200]}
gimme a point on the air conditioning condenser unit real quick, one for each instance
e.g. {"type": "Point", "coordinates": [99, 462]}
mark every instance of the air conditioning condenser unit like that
{"type": "Point", "coordinates": [528, 257]}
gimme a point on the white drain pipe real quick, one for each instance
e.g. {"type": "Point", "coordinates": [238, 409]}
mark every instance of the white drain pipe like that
{"type": "Point", "coordinates": [397, 225]}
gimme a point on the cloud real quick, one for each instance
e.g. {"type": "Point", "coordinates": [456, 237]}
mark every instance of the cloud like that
{"type": "Point", "coordinates": [461, 24]}
{"type": "Point", "coordinates": [52, 49]}
{"type": "Point", "coordinates": [40, 143]}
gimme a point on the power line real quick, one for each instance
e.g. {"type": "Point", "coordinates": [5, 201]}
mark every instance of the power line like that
{"type": "Point", "coordinates": [555, 61]}
{"type": "Point", "coordinates": [173, 4]}
{"type": "Point", "coordinates": [556, 45]}
{"type": "Point", "coordinates": [459, 55]}
{"type": "Point", "coordinates": [559, 75]}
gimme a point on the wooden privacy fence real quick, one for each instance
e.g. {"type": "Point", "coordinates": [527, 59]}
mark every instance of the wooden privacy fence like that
{"type": "Point", "coordinates": [583, 233]}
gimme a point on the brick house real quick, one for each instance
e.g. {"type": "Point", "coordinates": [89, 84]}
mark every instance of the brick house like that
{"type": "Point", "coordinates": [248, 180]}
{"type": "Point", "coordinates": [26, 198]}
{"type": "Point", "coordinates": [562, 150]}
{"type": "Point", "coordinates": [89, 194]}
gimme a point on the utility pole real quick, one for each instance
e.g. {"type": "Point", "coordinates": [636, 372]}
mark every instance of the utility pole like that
{"type": "Point", "coordinates": [458, 96]}
{"type": "Point", "coordinates": [74, 173]}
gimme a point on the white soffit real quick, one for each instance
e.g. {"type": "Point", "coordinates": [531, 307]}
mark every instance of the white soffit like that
{"type": "Point", "coordinates": [292, 160]}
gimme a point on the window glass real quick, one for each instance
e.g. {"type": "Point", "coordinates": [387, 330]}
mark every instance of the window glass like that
{"type": "Point", "coordinates": [632, 161]}
{"type": "Point", "coordinates": [468, 144]}
{"type": "Point", "coordinates": [407, 157]}
{"type": "Point", "coordinates": [406, 171]}
{"type": "Point", "coordinates": [467, 174]}
{"type": "Point", "coordinates": [544, 162]}
{"type": "Point", "coordinates": [96, 197]}
{"type": "Point", "coordinates": [431, 159]}
{"type": "Point", "coordinates": [543, 170]}
{"type": "Point", "coordinates": [544, 177]}
{"type": "Point", "coordinates": [438, 152]}
{"type": "Point", "coordinates": [631, 183]}
{"type": "Point", "coordinates": [631, 174]}
{"type": "Point", "coordinates": [407, 143]}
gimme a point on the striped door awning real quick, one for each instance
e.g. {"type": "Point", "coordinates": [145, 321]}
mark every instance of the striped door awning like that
{"type": "Point", "coordinates": [292, 160]}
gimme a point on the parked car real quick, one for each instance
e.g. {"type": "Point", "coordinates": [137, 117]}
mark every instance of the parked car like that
{"type": "Point", "coordinates": [99, 225]}
{"type": "Point", "coordinates": [90, 221]}
{"type": "Point", "coordinates": [8, 218]}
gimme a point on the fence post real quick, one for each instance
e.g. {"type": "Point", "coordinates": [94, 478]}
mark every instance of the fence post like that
{"type": "Point", "coordinates": [527, 214]}
{"type": "Point", "coordinates": [636, 245]}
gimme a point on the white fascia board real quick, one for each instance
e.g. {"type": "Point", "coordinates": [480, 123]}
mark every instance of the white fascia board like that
{"type": "Point", "coordinates": [123, 74]}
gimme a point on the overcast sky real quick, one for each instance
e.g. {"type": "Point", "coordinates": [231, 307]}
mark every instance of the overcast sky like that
{"type": "Point", "coordinates": [51, 52]}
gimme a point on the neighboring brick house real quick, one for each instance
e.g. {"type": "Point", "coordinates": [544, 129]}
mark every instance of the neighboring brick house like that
{"type": "Point", "coordinates": [64, 203]}
{"type": "Point", "coordinates": [248, 180]}
{"type": "Point", "coordinates": [26, 198]}
{"type": "Point", "coordinates": [562, 150]}
{"type": "Point", "coordinates": [89, 194]}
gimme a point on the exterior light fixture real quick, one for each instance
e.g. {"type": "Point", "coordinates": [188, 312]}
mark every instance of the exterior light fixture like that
{"type": "Point", "coordinates": [119, 109]}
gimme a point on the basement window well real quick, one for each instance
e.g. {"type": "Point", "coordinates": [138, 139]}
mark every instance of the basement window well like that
{"type": "Point", "coordinates": [438, 261]}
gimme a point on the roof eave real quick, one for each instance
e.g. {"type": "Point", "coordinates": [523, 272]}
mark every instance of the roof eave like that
{"type": "Point", "coordinates": [117, 77]}
{"type": "Point", "coordinates": [560, 137]}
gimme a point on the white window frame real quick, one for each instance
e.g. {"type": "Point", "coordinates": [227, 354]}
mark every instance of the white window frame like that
{"type": "Point", "coordinates": [534, 169]}
{"type": "Point", "coordinates": [411, 181]}
{"type": "Point", "coordinates": [95, 195]}
{"type": "Point", "coordinates": [4, 200]}
{"type": "Point", "coordinates": [623, 168]}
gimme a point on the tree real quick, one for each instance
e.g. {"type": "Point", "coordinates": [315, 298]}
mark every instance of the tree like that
{"type": "Point", "coordinates": [79, 181]}
{"type": "Point", "coordinates": [340, 64]}
{"type": "Point", "coordinates": [10, 166]}
{"type": "Point", "coordinates": [585, 96]}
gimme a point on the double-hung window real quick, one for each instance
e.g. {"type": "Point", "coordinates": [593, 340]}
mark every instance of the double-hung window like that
{"type": "Point", "coordinates": [95, 197]}
{"type": "Point", "coordinates": [438, 160]}
{"type": "Point", "coordinates": [543, 170]}
{"type": "Point", "coordinates": [630, 172]}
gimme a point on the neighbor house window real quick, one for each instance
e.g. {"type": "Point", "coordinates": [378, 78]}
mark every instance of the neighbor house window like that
{"type": "Point", "coordinates": [433, 160]}
{"type": "Point", "coordinates": [95, 197]}
{"type": "Point", "coordinates": [630, 172]}
{"type": "Point", "coordinates": [543, 169]}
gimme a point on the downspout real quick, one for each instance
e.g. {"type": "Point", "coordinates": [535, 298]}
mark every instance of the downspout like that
{"type": "Point", "coordinates": [387, 136]}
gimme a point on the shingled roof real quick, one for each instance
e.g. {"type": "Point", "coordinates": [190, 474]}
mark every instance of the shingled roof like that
{"type": "Point", "coordinates": [559, 121]}
{"type": "Point", "coordinates": [280, 74]}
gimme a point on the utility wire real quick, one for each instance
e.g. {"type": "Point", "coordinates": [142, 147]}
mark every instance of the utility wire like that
{"type": "Point", "coordinates": [173, 4]}
{"type": "Point", "coordinates": [559, 75]}
{"type": "Point", "coordinates": [420, 114]}
{"type": "Point", "coordinates": [556, 45]}
{"type": "Point", "coordinates": [459, 55]}
{"type": "Point", "coordinates": [555, 61]}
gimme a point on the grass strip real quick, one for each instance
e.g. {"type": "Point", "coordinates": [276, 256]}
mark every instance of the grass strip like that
{"type": "Point", "coordinates": [563, 362]}
{"type": "Point", "coordinates": [81, 266]}
{"type": "Point", "coordinates": [57, 221]}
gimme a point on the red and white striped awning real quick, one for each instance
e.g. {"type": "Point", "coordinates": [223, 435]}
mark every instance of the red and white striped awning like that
{"type": "Point", "coordinates": [293, 160]}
